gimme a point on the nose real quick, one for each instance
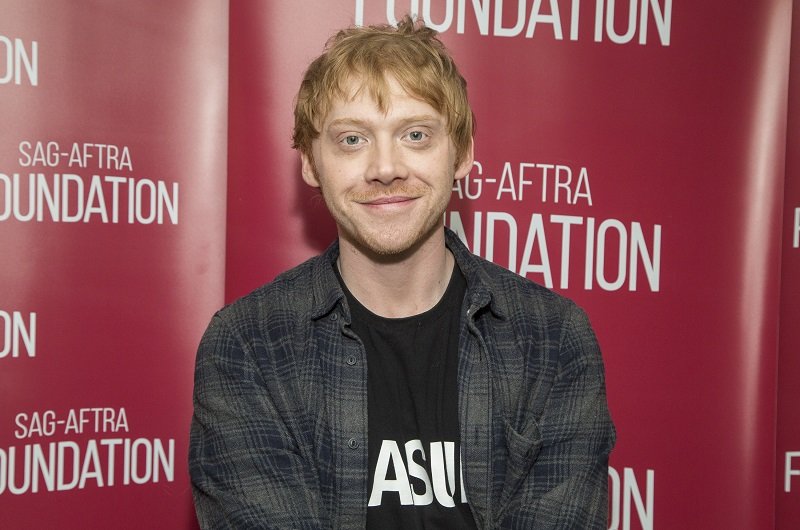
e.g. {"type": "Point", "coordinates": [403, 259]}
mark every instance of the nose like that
{"type": "Point", "coordinates": [386, 163]}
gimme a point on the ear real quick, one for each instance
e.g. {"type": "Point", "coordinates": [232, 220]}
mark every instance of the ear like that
{"type": "Point", "coordinates": [465, 165]}
{"type": "Point", "coordinates": [309, 174]}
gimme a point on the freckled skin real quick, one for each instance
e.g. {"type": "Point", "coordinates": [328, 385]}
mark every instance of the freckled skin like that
{"type": "Point", "coordinates": [385, 177]}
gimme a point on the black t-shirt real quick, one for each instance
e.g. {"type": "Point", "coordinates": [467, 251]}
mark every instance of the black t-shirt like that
{"type": "Point", "coordinates": [415, 478]}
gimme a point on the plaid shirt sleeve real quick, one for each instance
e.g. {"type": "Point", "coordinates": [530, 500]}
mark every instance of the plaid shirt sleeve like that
{"type": "Point", "coordinates": [247, 468]}
{"type": "Point", "coordinates": [566, 485]}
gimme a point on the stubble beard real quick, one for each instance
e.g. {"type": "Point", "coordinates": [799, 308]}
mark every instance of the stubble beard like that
{"type": "Point", "coordinates": [396, 240]}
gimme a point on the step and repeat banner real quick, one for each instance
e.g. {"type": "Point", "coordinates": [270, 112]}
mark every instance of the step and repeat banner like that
{"type": "Point", "coordinates": [112, 183]}
{"type": "Point", "coordinates": [788, 453]}
{"type": "Point", "coordinates": [631, 155]}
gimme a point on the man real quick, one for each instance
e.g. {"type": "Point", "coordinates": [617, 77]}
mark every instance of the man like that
{"type": "Point", "coordinates": [396, 381]}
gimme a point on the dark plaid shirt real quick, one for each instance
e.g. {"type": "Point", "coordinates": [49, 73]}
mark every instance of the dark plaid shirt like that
{"type": "Point", "coordinates": [279, 434]}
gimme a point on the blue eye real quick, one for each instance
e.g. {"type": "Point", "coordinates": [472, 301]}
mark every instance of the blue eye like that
{"type": "Point", "coordinates": [351, 140]}
{"type": "Point", "coordinates": [416, 135]}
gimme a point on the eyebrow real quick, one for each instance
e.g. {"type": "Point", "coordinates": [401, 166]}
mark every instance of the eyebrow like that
{"type": "Point", "coordinates": [362, 123]}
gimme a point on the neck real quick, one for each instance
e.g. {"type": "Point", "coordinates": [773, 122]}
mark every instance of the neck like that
{"type": "Point", "coordinates": [398, 286]}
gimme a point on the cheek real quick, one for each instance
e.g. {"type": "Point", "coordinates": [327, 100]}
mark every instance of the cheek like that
{"type": "Point", "coordinates": [332, 184]}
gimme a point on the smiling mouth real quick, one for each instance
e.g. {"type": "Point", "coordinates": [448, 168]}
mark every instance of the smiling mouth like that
{"type": "Point", "coordinates": [388, 200]}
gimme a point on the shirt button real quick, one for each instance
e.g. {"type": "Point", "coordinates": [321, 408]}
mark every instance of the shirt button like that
{"type": "Point", "coordinates": [351, 360]}
{"type": "Point", "coordinates": [352, 443]}
{"type": "Point", "coordinates": [334, 316]}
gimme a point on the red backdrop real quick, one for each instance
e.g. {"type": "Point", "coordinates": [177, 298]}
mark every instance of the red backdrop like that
{"type": "Point", "coordinates": [629, 154]}
{"type": "Point", "coordinates": [788, 453]}
{"type": "Point", "coordinates": [108, 278]}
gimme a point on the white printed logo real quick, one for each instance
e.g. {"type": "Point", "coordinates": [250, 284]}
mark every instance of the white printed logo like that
{"type": "Point", "coordinates": [439, 486]}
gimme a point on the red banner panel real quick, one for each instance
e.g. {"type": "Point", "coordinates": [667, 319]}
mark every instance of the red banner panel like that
{"type": "Point", "coordinates": [112, 161]}
{"type": "Point", "coordinates": [788, 454]}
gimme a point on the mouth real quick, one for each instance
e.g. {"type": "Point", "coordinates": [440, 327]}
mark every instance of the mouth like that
{"type": "Point", "coordinates": [379, 201]}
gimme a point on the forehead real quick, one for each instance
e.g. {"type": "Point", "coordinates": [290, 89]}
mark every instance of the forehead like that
{"type": "Point", "coordinates": [358, 101]}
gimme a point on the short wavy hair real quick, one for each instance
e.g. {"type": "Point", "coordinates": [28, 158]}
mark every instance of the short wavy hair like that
{"type": "Point", "coordinates": [410, 52]}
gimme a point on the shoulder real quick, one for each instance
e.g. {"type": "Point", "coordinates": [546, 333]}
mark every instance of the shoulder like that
{"type": "Point", "coordinates": [513, 296]}
{"type": "Point", "coordinates": [507, 294]}
{"type": "Point", "coordinates": [517, 289]}
{"type": "Point", "coordinates": [522, 315]}
{"type": "Point", "coordinates": [281, 303]}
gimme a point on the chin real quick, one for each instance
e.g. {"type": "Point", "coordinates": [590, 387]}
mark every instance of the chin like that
{"type": "Point", "coordinates": [385, 248]}
{"type": "Point", "coordinates": [392, 245]}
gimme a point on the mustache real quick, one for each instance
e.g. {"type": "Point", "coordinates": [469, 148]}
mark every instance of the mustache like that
{"type": "Point", "coordinates": [382, 192]}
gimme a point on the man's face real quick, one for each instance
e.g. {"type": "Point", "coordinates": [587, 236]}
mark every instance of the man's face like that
{"type": "Point", "coordinates": [385, 177]}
